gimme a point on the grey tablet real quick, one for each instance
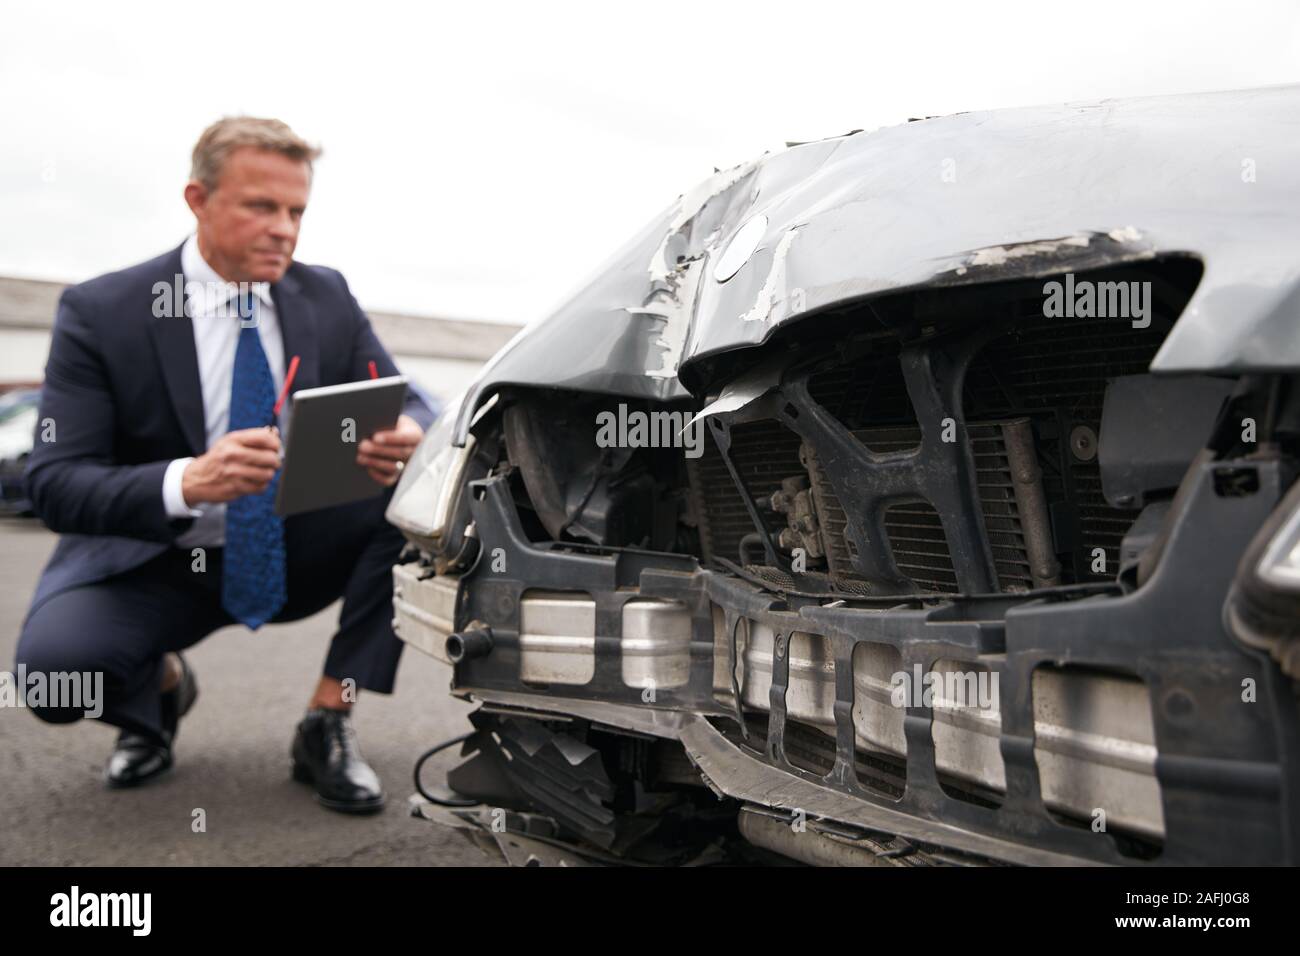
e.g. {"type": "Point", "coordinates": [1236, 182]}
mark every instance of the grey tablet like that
{"type": "Point", "coordinates": [326, 426]}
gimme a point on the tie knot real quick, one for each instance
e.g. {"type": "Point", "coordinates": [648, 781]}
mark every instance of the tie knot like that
{"type": "Point", "coordinates": [246, 308]}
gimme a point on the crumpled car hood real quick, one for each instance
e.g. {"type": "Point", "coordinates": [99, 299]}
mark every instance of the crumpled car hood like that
{"type": "Point", "coordinates": [970, 198]}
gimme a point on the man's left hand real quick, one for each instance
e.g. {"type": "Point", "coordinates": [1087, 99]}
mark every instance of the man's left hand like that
{"type": "Point", "coordinates": [384, 453]}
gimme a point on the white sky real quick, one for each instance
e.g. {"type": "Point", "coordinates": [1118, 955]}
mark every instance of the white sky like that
{"type": "Point", "coordinates": [479, 163]}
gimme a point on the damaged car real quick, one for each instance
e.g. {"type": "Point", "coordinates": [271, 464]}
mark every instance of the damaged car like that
{"type": "Point", "coordinates": [913, 497]}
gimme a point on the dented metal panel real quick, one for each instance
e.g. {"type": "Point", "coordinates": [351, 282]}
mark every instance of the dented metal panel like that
{"type": "Point", "coordinates": [955, 200]}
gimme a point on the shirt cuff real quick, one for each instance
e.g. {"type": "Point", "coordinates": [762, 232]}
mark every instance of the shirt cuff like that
{"type": "Point", "coordinates": [173, 499]}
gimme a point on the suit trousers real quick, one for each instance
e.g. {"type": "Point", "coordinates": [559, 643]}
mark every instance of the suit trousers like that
{"type": "Point", "coordinates": [123, 625]}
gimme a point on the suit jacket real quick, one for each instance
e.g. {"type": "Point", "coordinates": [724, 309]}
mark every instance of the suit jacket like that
{"type": "Point", "coordinates": [123, 395]}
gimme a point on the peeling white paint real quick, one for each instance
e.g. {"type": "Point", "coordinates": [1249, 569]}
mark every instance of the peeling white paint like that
{"type": "Point", "coordinates": [688, 206]}
{"type": "Point", "coordinates": [670, 307]}
{"type": "Point", "coordinates": [774, 289]}
{"type": "Point", "coordinates": [674, 284]}
{"type": "Point", "coordinates": [1000, 255]}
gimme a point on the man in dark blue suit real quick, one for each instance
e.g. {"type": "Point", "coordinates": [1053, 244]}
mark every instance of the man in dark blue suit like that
{"type": "Point", "coordinates": [155, 462]}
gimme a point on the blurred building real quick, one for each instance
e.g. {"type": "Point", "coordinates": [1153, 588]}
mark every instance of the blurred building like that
{"type": "Point", "coordinates": [443, 355]}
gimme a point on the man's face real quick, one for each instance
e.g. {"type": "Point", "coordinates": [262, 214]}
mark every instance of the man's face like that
{"type": "Point", "coordinates": [248, 225]}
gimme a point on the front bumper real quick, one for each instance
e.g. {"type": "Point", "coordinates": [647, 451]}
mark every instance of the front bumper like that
{"type": "Point", "coordinates": [1127, 727]}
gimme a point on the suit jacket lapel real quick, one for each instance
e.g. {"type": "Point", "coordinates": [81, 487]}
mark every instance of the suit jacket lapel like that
{"type": "Point", "coordinates": [173, 336]}
{"type": "Point", "coordinates": [298, 330]}
{"type": "Point", "coordinates": [174, 339]}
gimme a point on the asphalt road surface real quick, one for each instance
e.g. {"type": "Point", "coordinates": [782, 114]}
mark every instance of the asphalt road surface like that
{"type": "Point", "coordinates": [232, 757]}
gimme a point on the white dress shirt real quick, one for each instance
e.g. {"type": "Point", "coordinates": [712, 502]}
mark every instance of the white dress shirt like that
{"type": "Point", "coordinates": [216, 335]}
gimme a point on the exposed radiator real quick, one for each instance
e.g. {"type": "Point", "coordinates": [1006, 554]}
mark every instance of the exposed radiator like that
{"type": "Point", "coordinates": [1048, 376]}
{"type": "Point", "coordinates": [764, 453]}
{"type": "Point", "coordinates": [1015, 515]}
{"type": "Point", "coordinates": [1055, 371]}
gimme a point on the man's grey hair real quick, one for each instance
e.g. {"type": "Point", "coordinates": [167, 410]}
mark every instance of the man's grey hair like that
{"type": "Point", "coordinates": [226, 135]}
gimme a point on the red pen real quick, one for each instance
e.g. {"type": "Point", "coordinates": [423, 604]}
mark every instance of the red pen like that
{"type": "Point", "coordinates": [374, 371]}
{"type": "Point", "coordinates": [284, 392]}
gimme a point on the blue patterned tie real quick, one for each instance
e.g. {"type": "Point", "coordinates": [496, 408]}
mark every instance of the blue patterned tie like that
{"type": "Point", "coordinates": [253, 584]}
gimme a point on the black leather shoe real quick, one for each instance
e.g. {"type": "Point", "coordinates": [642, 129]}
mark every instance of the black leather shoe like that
{"type": "Point", "coordinates": [140, 757]}
{"type": "Point", "coordinates": [326, 755]}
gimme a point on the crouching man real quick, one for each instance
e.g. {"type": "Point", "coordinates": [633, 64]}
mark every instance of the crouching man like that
{"type": "Point", "coordinates": [157, 465]}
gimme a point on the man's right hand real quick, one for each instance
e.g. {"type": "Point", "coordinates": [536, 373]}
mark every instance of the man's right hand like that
{"type": "Point", "coordinates": [240, 463]}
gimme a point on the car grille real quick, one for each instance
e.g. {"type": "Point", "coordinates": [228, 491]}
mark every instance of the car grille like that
{"type": "Point", "coordinates": [916, 537]}
{"type": "Point", "coordinates": [1049, 374]}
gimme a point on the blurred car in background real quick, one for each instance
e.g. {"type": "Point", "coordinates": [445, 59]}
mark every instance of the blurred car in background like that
{"type": "Point", "coordinates": [18, 411]}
